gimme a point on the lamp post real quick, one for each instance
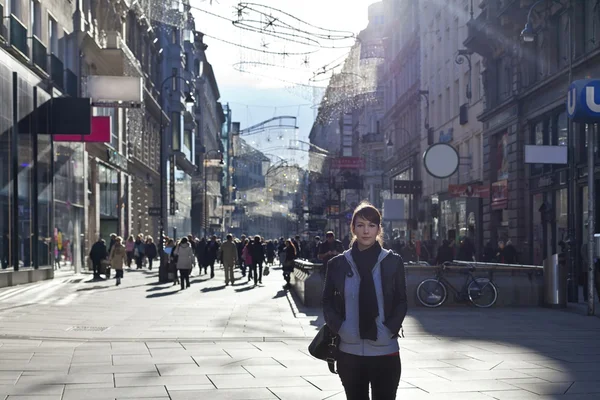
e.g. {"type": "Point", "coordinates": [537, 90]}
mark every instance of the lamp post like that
{"type": "Point", "coordinates": [205, 211]}
{"type": "Point", "coordinates": [528, 35]}
{"type": "Point", "coordinates": [189, 99]}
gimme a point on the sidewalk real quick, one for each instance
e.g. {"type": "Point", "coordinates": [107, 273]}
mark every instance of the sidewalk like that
{"type": "Point", "coordinates": [148, 341]}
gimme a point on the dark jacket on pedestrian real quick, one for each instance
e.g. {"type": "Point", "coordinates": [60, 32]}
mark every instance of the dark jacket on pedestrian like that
{"type": "Point", "coordinates": [409, 253]}
{"type": "Point", "coordinates": [466, 251]}
{"type": "Point", "coordinates": [150, 250]}
{"type": "Point", "coordinates": [445, 253]}
{"type": "Point", "coordinates": [257, 252]}
{"type": "Point", "coordinates": [98, 251]}
{"type": "Point", "coordinates": [509, 254]}
{"type": "Point", "coordinates": [212, 251]}
{"type": "Point", "coordinates": [200, 251]}
{"type": "Point", "coordinates": [390, 286]}
{"type": "Point", "coordinates": [488, 253]}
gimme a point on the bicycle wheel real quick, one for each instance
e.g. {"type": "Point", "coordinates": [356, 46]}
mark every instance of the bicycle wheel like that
{"type": "Point", "coordinates": [432, 293]}
{"type": "Point", "coordinates": [482, 293]}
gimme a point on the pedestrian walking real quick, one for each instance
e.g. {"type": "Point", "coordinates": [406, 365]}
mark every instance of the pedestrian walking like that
{"type": "Point", "coordinates": [247, 255]}
{"type": "Point", "coordinates": [241, 244]}
{"type": "Point", "coordinates": [364, 302]}
{"type": "Point", "coordinates": [150, 251]}
{"type": "Point", "coordinates": [129, 248]}
{"type": "Point", "coordinates": [98, 253]}
{"type": "Point", "coordinates": [138, 252]}
{"type": "Point", "coordinates": [257, 252]}
{"type": "Point", "coordinates": [185, 260]}
{"type": "Point", "coordinates": [118, 256]}
{"type": "Point", "coordinates": [201, 255]}
{"type": "Point", "coordinates": [212, 251]}
{"type": "Point", "coordinates": [229, 255]}
{"type": "Point", "coordinates": [171, 261]}
{"type": "Point", "coordinates": [270, 252]}
{"type": "Point", "coordinates": [288, 265]}
{"type": "Point", "coordinates": [330, 248]}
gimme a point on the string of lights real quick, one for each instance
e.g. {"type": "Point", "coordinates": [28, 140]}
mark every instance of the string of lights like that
{"type": "Point", "coordinates": [249, 6]}
{"type": "Point", "coordinates": [279, 53]}
{"type": "Point", "coordinates": [308, 39]}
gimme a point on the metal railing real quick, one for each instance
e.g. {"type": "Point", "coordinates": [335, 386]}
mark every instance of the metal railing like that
{"type": "Point", "coordinates": [18, 36]}
{"type": "Point", "coordinates": [495, 266]}
{"type": "Point", "coordinates": [39, 54]}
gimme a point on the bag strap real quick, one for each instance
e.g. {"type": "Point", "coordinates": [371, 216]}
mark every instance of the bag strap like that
{"type": "Point", "coordinates": [332, 350]}
{"type": "Point", "coordinates": [331, 365]}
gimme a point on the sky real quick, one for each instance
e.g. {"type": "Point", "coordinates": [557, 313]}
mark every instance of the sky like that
{"type": "Point", "coordinates": [274, 84]}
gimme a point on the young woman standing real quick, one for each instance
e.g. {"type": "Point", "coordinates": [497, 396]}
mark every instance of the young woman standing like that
{"type": "Point", "coordinates": [364, 302]}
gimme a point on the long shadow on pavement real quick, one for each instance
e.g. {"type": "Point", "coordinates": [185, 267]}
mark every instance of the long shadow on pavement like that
{"type": "Point", "coordinates": [161, 294]}
{"type": "Point", "coordinates": [246, 289]}
{"type": "Point", "coordinates": [212, 289]}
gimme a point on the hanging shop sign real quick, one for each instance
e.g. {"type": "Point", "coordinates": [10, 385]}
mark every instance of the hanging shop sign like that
{"type": "Point", "coordinates": [469, 191]}
{"type": "Point", "coordinates": [100, 132]}
{"type": "Point", "coordinates": [348, 163]}
{"type": "Point", "coordinates": [116, 91]}
{"type": "Point", "coordinates": [441, 160]}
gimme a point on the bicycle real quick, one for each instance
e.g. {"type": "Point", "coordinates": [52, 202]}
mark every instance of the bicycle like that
{"type": "Point", "coordinates": [481, 292]}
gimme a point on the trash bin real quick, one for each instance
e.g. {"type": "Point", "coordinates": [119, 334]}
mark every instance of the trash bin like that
{"type": "Point", "coordinates": [555, 282]}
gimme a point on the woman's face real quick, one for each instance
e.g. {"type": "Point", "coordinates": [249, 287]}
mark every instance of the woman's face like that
{"type": "Point", "coordinates": [366, 232]}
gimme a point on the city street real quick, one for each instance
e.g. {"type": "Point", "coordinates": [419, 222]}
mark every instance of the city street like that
{"type": "Point", "coordinates": [74, 339]}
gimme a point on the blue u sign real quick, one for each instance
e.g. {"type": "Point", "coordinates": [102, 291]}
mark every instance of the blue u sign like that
{"type": "Point", "coordinates": [583, 101]}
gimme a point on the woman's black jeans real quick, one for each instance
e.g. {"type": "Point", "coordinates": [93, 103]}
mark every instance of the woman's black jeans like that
{"type": "Point", "coordinates": [381, 372]}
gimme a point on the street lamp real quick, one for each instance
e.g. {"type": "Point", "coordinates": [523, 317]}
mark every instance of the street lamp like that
{"type": "Point", "coordinates": [462, 56]}
{"type": "Point", "coordinates": [189, 99]}
{"type": "Point", "coordinates": [528, 34]}
{"type": "Point", "coordinates": [205, 212]}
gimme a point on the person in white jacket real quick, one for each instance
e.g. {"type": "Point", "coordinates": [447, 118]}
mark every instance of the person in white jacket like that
{"type": "Point", "coordinates": [185, 261]}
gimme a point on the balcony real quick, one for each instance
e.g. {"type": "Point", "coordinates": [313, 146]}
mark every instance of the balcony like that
{"type": "Point", "coordinates": [57, 70]}
{"type": "Point", "coordinates": [39, 55]}
{"type": "Point", "coordinates": [71, 83]}
{"type": "Point", "coordinates": [18, 37]}
{"type": "Point", "coordinates": [372, 138]}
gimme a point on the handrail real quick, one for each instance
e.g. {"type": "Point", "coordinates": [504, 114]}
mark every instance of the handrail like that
{"type": "Point", "coordinates": [476, 264]}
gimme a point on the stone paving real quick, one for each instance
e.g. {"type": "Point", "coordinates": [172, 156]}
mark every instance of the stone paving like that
{"type": "Point", "coordinates": [75, 339]}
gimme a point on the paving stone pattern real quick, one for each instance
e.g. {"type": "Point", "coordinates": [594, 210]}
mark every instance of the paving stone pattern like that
{"type": "Point", "coordinates": [241, 342]}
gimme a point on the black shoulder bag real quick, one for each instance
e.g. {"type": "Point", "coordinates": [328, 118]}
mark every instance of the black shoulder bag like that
{"type": "Point", "coordinates": [325, 347]}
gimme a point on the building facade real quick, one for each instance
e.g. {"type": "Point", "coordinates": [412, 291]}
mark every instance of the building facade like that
{"type": "Point", "coordinates": [207, 199]}
{"type": "Point", "coordinates": [451, 77]}
{"type": "Point", "coordinates": [37, 63]}
{"type": "Point", "coordinates": [525, 95]}
{"type": "Point", "coordinates": [402, 120]}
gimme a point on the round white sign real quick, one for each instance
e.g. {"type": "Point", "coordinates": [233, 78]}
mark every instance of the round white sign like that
{"type": "Point", "coordinates": [441, 160]}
